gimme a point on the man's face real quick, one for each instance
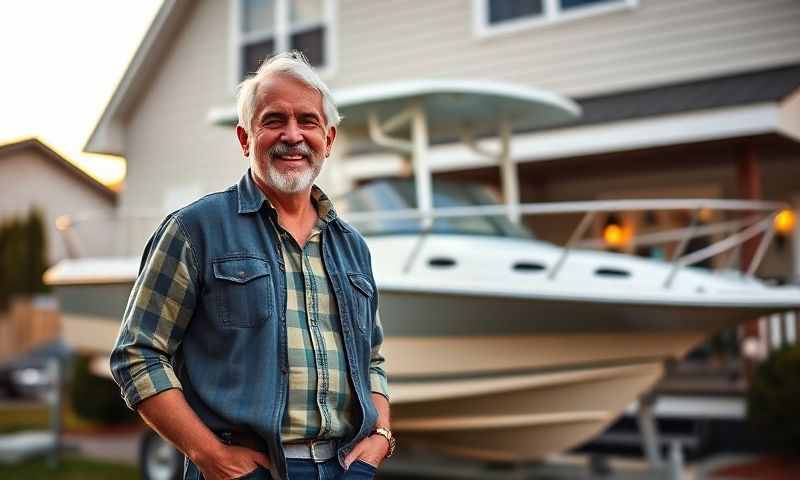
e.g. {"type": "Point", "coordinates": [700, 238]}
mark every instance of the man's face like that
{"type": "Point", "coordinates": [289, 141]}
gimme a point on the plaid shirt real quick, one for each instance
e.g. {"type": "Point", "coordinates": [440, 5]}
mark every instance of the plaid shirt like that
{"type": "Point", "coordinates": [320, 403]}
{"type": "Point", "coordinates": [161, 305]}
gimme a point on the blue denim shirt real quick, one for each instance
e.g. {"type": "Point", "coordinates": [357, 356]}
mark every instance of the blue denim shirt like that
{"type": "Point", "coordinates": [231, 357]}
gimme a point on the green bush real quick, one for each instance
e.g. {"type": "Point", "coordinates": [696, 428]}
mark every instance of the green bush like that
{"type": "Point", "coordinates": [23, 256]}
{"type": "Point", "coordinates": [773, 402]}
{"type": "Point", "coordinates": [94, 398]}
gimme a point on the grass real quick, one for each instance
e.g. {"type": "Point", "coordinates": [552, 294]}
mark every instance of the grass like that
{"type": "Point", "coordinates": [71, 468]}
{"type": "Point", "coordinates": [15, 418]}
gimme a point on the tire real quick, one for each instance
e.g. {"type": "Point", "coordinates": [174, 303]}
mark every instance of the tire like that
{"type": "Point", "coordinates": [158, 460]}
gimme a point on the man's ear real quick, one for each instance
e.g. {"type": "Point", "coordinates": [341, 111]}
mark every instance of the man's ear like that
{"type": "Point", "coordinates": [241, 134]}
{"type": "Point", "coordinates": [329, 138]}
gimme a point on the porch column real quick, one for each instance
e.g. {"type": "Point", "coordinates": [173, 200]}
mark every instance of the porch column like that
{"type": "Point", "coordinates": [796, 241]}
{"type": "Point", "coordinates": [748, 179]}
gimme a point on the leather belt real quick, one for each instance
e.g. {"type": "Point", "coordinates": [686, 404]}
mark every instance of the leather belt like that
{"type": "Point", "coordinates": [317, 450]}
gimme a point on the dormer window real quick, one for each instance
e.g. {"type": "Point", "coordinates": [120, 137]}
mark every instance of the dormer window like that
{"type": "Point", "coordinates": [265, 27]}
{"type": "Point", "coordinates": [496, 16]}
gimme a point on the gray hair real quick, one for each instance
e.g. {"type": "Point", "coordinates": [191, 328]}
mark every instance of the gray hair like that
{"type": "Point", "coordinates": [292, 63]}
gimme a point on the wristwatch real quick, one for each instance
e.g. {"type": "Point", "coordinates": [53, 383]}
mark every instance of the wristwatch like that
{"type": "Point", "coordinates": [387, 434]}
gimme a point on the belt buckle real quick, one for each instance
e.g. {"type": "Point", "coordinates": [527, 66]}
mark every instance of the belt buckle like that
{"type": "Point", "coordinates": [311, 446]}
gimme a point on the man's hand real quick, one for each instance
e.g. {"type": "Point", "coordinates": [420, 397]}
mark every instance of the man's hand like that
{"type": "Point", "coordinates": [169, 415]}
{"type": "Point", "coordinates": [372, 450]}
{"type": "Point", "coordinates": [231, 462]}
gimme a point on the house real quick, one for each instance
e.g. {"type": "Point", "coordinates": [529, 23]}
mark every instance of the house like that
{"type": "Point", "coordinates": [681, 98]}
{"type": "Point", "coordinates": [34, 175]}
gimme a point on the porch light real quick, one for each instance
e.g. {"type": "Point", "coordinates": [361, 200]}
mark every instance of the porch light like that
{"type": "Point", "coordinates": [613, 233]}
{"type": "Point", "coordinates": [784, 221]}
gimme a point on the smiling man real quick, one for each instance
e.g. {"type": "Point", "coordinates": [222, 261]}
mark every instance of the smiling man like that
{"type": "Point", "coordinates": [251, 340]}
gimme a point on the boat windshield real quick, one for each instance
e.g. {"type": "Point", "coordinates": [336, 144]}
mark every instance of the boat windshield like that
{"type": "Point", "coordinates": [382, 195]}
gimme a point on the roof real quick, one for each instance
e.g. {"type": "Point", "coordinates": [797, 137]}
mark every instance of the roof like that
{"type": "Point", "coordinates": [106, 136]}
{"type": "Point", "coordinates": [68, 167]}
{"type": "Point", "coordinates": [769, 85]}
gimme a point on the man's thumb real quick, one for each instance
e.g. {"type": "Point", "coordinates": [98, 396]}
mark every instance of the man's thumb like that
{"type": "Point", "coordinates": [350, 458]}
{"type": "Point", "coordinates": [261, 459]}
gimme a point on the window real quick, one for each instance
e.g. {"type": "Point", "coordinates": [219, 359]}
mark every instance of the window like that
{"type": "Point", "coordinates": [493, 16]}
{"type": "Point", "coordinates": [265, 27]}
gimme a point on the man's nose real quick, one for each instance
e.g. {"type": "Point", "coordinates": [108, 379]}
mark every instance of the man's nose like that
{"type": "Point", "coordinates": [292, 133]}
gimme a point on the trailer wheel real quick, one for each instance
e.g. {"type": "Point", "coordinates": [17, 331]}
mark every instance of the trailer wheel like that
{"type": "Point", "coordinates": [158, 460]}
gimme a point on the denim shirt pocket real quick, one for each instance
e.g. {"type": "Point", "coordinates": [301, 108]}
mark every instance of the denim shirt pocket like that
{"type": "Point", "coordinates": [243, 291]}
{"type": "Point", "coordinates": [362, 299]}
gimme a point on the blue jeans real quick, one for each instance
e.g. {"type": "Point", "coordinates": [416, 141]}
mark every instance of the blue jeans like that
{"type": "Point", "coordinates": [301, 470]}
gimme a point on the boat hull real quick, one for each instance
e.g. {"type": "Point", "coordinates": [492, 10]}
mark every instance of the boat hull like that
{"type": "Point", "coordinates": [477, 376]}
{"type": "Point", "coordinates": [517, 417]}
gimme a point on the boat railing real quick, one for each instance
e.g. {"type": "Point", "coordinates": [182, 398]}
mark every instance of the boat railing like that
{"type": "Point", "coordinates": [755, 218]}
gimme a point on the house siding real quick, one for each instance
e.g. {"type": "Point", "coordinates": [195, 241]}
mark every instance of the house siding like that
{"type": "Point", "coordinates": [175, 153]}
{"type": "Point", "coordinates": [171, 147]}
{"type": "Point", "coordinates": [658, 42]}
{"type": "Point", "coordinates": [28, 179]}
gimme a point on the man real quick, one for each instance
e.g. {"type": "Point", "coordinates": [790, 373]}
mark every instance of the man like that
{"type": "Point", "coordinates": [251, 339]}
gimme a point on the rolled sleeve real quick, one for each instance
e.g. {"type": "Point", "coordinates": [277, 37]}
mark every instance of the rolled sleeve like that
{"type": "Point", "coordinates": [377, 373]}
{"type": "Point", "coordinates": [159, 309]}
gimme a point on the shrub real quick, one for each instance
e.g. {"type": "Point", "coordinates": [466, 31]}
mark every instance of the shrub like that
{"type": "Point", "coordinates": [773, 399]}
{"type": "Point", "coordinates": [95, 398]}
{"type": "Point", "coordinates": [23, 256]}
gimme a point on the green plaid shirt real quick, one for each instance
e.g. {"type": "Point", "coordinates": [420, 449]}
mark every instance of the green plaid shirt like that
{"type": "Point", "coordinates": [320, 401]}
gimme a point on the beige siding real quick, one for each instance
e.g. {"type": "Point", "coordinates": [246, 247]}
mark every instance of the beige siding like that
{"type": "Point", "coordinates": [658, 42]}
{"type": "Point", "coordinates": [174, 153]}
{"type": "Point", "coordinates": [27, 179]}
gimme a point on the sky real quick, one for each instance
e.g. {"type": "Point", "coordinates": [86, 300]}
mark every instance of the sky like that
{"type": "Point", "coordinates": [61, 61]}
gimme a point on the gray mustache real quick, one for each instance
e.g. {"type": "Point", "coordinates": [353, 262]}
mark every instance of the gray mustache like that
{"type": "Point", "coordinates": [284, 149]}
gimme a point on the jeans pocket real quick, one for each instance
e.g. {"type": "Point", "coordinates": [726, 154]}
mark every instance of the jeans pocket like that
{"type": "Point", "coordinates": [190, 470]}
{"type": "Point", "coordinates": [260, 473]}
{"type": "Point", "coordinates": [360, 470]}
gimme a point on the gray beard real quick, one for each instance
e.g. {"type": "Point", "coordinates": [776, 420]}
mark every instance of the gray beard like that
{"type": "Point", "coordinates": [292, 181]}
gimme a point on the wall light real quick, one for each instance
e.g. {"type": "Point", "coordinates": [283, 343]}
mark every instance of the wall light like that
{"type": "Point", "coordinates": [784, 222]}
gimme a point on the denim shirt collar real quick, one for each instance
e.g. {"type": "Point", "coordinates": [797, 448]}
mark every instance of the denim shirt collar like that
{"type": "Point", "coordinates": [251, 199]}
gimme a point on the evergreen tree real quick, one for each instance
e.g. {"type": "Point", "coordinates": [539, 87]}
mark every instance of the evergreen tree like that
{"type": "Point", "coordinates": [23, 257]}
{"type": "Point", "coordinates": [37, 252]}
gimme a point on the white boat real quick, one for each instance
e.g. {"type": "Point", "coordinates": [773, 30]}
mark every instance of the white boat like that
{"type": "Point", "coordinates": [499, 346]}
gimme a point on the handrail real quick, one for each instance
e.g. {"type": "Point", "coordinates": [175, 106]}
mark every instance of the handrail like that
{"type": "Point", "coordinates": [750, 227]}
{"type": "Point", "coordinates": [740, 230]}
{"type": "Point", "coordinates": [550, 208]}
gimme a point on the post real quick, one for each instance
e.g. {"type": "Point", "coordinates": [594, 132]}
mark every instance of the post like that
{"type": "Point", "coordinates": [675, 461]}
{"type": "Point", "coordinates": [419, 157]}
{"type": "Point", "coordinates": [649, 430]}
{"type": "Point", "coordinates": [749, 182]}
{"type": "Point", "coordinates": [796, 242]}
{"type": "Point", "coordinates": [55, 370]}
{"type": "Point", "coordinates": [508, 173]}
